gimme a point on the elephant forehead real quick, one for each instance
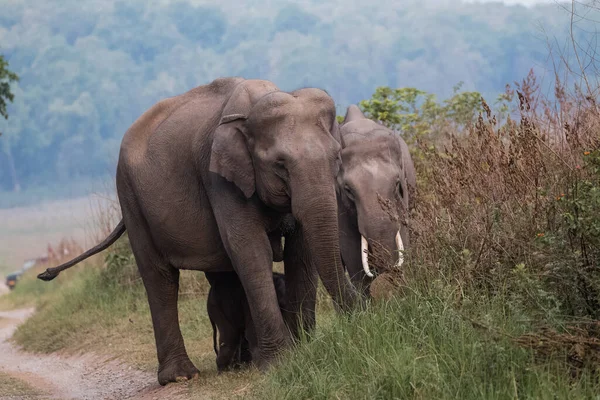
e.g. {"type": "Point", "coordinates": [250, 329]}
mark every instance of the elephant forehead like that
{"type": "Point", "coordinates": [375, 149]}
{"type": "Point", "coordinates": [271, 105]}
{"type": "Point", "coordinates": [370, 170]}
{"type": "Point", "coordinates": [293, 141]}
{"type": "Point", "coordinates": [280, 106]}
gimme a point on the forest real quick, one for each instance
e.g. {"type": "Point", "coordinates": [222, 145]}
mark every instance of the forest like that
{"type": "Point", "coordinates": [88, 69]}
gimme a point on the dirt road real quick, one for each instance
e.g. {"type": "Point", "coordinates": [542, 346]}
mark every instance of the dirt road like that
{"type": "Point", "coordinates": [84, 377]}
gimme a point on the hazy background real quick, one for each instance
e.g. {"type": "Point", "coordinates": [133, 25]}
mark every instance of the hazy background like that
{"type": "Point", "coordinates": [89, 68]}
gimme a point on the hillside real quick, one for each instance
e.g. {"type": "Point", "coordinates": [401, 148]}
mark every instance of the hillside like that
{"type": "Point", "coordinates": [88, 70]}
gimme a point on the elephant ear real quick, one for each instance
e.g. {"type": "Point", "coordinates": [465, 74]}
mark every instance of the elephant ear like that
{"type": "Point", "coordinates": [348, 133]}
{"type": "Point", "coordinates": [229, 155]}
{"type": "Point", "coordinates": [335, 132]}
{"type": "Point", "coordinates": [410, 173]}
{"type": "Point", "coordinates": [353, 113]}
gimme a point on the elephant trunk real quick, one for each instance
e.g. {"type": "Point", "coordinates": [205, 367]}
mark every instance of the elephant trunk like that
{"type": "Point", "coordinates": [364, 250]}
{"type": "Point", "coordinates": [316, 213]}
{"type": "Point", "coordinates": [378, 230]}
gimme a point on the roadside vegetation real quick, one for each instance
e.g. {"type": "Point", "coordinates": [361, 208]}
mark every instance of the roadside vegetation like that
{"type": "Point", "coordinates": [12, 387]}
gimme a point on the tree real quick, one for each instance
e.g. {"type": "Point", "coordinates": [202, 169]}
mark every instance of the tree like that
{"type": "Point", "coordinates": [6, 78]}
{"type": "Point", "coordinates": [417, 113]}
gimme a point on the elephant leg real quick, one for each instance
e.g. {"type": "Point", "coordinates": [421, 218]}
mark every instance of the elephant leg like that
{"type": "Point", "coordinates": [161, 281]}
{"type": "Point", "coordinates": [271, 333]}
{"type": "Point", "coordinates": [225, 306]}
{"type": "Point", "coordinates": [249, 348]}
{"type": "Point", "coordinates": [245, 353]}
{"type": "Point", "coordinates": [242, 230]}
{"type": "Point", "coordinates": [301, 280]}
{"type": "Point", "coordinates": [229, 348]}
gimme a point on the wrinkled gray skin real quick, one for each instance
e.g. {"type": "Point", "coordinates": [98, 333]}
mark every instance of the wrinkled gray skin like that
{"type": "Point", "coordinates": [375, 160]}
{"type": "Point", "coordinates": [205, 180]}
{"type": "Point", "coordinates": [231, 320]}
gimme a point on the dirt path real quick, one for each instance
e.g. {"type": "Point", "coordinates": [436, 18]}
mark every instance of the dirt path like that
{"type": "Point", "coordinates": [82, 377]}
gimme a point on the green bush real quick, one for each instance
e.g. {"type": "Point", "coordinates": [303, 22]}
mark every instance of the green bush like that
{"type": "Point", "coordinates": [571, 244]}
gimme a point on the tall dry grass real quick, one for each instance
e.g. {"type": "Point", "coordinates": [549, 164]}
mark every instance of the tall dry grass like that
{"type": "Point", "coordinates": [515, 205]}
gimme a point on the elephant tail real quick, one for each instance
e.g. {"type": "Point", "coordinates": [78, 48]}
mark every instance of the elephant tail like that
{"type": "Point", "coordinates": [52, 273]}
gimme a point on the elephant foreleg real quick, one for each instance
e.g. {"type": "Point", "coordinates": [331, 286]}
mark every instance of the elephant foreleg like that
{"type": "Point", "coordinates": [244, 237]}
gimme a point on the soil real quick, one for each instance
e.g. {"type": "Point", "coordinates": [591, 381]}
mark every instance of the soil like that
{"type": "Point", "coordinates": [89, 376]}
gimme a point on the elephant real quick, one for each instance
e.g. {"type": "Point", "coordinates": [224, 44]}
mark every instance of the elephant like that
{"type": "Point", "coordinates": [375, 190]}
{"type": "Point", "coordinates": [204, 181]}
{"type": "Point", "coordinates": [231, 320]}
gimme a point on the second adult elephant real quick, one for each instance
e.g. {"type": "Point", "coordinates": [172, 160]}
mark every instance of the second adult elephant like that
{"type": "Point", "coordinates": [205, 178]}
{"type": "Point", "coordinates": [375, 188]}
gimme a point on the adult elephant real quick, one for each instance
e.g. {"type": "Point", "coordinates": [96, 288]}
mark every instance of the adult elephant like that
{"type": "Point", "coordinates": [375, 187]}
{"type": "Point", "coordinates": [205, 179]}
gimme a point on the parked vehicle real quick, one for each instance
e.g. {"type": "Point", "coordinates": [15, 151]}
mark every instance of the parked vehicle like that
{"type": "Point", "coordinates": [11, 279]}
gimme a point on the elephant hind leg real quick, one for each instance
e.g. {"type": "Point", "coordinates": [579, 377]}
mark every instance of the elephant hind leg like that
{"type": "Point", "coordinates": [161, 281]}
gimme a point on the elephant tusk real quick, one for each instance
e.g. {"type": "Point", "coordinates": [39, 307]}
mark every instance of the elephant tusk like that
{"type": "Point", "coordinates": [364, 249]}
{"type": "Point", "coordinates": [400, 247]}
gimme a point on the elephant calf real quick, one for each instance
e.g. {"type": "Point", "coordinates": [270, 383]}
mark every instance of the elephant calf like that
{"type": "Point", "coordinates": [229, 315]}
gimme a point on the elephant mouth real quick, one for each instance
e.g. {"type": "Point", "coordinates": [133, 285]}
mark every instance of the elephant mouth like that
{"type": "Point", "coordinates": [379, 255]}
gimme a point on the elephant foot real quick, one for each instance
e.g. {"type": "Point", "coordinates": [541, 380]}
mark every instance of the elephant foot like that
{"type": "Point", "coordinates": [263, 364]}
{"type": "Point", "coordinates": [177, 371]}
{"type": "Point", "coordinates": [267, 359]}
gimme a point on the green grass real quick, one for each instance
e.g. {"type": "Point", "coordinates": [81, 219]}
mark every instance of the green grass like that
{"type": "Point", "coordinates": [422, 345]}
{"type": "Point", "coordinates": [11, 387]}
{"type": "Point", "coordinates": [98, 304]}
{"type": "Point", "coordinates": [31, 291]}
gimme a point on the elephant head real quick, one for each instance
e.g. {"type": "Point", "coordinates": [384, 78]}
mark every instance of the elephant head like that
{"type": "Point", "coordinates": [375, 185]}
{"type": "Point", "coordinates": [280, 147]}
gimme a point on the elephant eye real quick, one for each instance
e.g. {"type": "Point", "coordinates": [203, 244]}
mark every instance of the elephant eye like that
{"type": "Point", "coordinates": [349, 192]}
{"type": "Point", "coordinates": [280, 170]}
{"type": "Point", "coordinates": [280, 163]}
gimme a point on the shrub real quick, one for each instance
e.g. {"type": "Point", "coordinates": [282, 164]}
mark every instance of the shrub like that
{"type": "Point", "coordinates": [513, 206]}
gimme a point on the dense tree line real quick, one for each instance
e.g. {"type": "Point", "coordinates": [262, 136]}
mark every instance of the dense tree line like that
{"type": "Point", "coordinates": [89, 69]}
